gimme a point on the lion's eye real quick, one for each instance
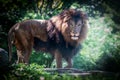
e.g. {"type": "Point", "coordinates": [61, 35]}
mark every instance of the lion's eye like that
{"type": "Point", "coordinates": [71, 25]}
{"type": "Point", "coordinates": [79, 24]}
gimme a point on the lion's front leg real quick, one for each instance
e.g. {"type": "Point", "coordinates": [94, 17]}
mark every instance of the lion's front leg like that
{"type": "Point", "coordinates": [58, 58]}
{"type": "Point", "coordinates": [69, 62]}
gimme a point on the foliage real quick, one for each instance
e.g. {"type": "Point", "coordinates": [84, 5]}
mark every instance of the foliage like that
{"type": "Point", "coordinates": [41, 58]}
{"type": "Point", "coordinates": [36, 72]}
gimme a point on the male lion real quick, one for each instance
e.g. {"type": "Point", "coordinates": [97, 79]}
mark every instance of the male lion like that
{"type": "Point", "coordinates": [61, 36]}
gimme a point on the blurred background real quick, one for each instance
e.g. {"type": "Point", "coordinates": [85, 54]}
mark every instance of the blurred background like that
{"type": "Point", "coordinates": [101, 49]}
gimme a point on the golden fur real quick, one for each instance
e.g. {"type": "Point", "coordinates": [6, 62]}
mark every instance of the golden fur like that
{"type": "Point", "coordinates": [61, 36]}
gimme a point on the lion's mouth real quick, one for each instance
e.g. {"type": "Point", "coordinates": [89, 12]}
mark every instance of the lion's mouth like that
{"type": "Point", "coordinates": [74, 37]}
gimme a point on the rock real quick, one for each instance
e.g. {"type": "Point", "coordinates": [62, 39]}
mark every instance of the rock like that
{"type": "Point", "coordinates": [3, 58]}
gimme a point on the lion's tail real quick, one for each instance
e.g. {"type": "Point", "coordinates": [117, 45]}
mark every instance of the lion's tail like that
{"type": "Point", "coordinates": [10, 34]}
{"type": "Point", "coordinates": [11, 37]}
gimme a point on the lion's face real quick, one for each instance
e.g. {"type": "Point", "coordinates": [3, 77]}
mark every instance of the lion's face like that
{"type": "Point", "coordinates": [73, 28]}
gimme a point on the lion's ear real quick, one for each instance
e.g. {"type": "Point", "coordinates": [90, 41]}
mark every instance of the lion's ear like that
{"type": "Point", "coordinates": [83, 15]}
{"type": "Point", "coordinates": [65, 15]}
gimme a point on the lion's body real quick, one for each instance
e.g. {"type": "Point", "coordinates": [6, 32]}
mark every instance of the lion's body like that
{"type": "Point", "coordinates": [23, 34]}
{"type": "Point", "coordinates": [61, 36]}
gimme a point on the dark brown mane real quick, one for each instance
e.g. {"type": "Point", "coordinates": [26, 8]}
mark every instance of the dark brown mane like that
{"type": "Point", "coordinates": [51, 45]}
{"type": "Point", "coordinates": [73, 13]}
{"type": "Point", "coordinates": [54, 31]}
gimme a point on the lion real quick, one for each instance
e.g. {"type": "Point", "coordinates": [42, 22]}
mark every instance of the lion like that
{"type": "Point", "coordinates": [61, 36]}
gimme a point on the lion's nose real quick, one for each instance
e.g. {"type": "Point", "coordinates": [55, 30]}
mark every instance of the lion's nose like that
{"type": "Point", "coordinates": [74, 34]}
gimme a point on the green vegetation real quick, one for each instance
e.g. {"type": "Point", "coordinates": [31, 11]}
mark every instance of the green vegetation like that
{"type": "Point", "coordinates": [36, 72]}
{"type": "Point", "coordinates": [44, 59]}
